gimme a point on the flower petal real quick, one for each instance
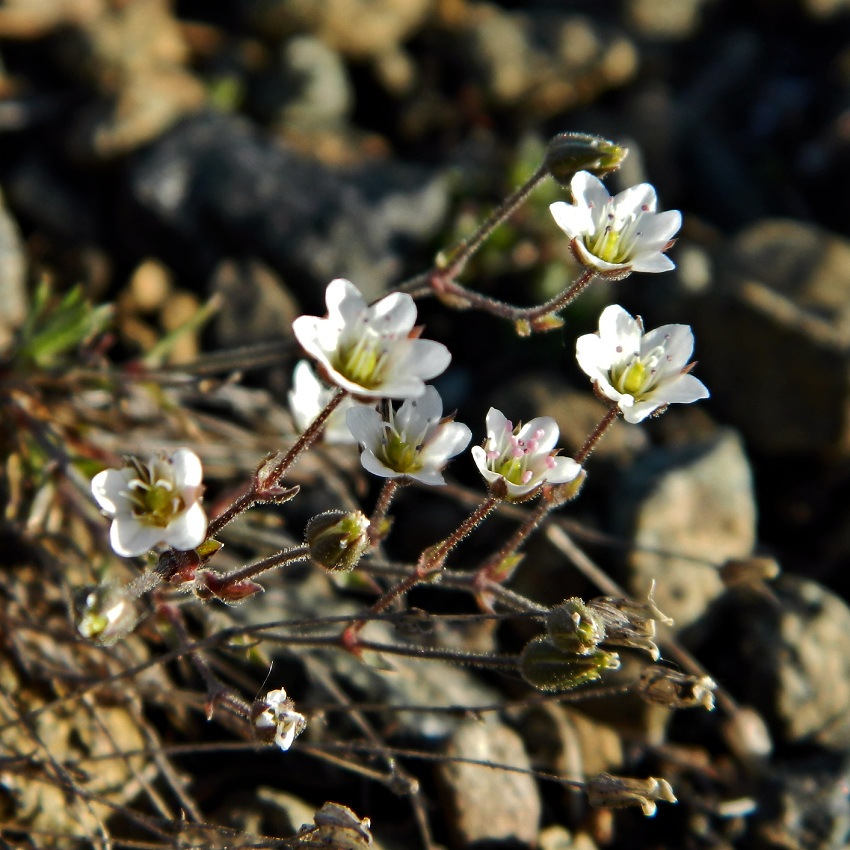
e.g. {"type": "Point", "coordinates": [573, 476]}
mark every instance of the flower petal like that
{"type": "Point", "coordinates": [188, 530]}
{"type": "Point", "coordinates": [371, 463]}
{"type": "Point", "coordinates": [565, 469]}
{"type": "Point", "coordinates": [366, 425]}
{"type": "Point", "coordinates": [635, 201]}
{"type": "Point", "coordinates": [653, 263]}
{"type": "Point", "coordinates": [129, 537]}
{"type": "Point", "coordinates": [188, 471]}
{"type": "Point", "coordinates": [685, 390]}
{"type": "Point", "coordinates": [395, 313]}
{"type": "Point", "coordinates": [344, 301]}
{"type": "Point", "coordinates": [108, 488]}
{"type": "Point", "coordinates": [589, 191]}
{"type": "Point", "coordinates": [544, 429]}
{"type": "Point", "coordinates": [677, 342]}
{"type": "Point", "coordinates": [574, 221]}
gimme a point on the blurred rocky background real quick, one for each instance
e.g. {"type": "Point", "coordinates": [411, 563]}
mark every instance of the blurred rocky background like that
{"type": "Point", "coordinates": [166, 153]}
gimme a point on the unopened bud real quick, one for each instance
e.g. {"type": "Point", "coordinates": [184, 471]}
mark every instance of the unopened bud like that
{"type": "Point", "coordinates": [105, 613]}
{"type": "Point", "coordinates": [663, 686]}
{"type": "Point", "coordinates": [549, 668]}
{"type": "Point", "coordinates": [573, 627]}
{"type": "Point", "coordinates": [617, 792]}
{"type": "Point", "coordinates": [337, 539]}
{"type": "Point", "coordinates": [209, 584]}
{"type": "Point", "coordinates": [568, 153]}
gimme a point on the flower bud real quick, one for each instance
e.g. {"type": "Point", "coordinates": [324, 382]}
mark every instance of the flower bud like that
{"type": "Point", "coordinates": [617, 792]}
{"type": "Point", "coordinates": [104, 613]}
{"type": "Point", "coordinates": [663, 686]}
{"type": "Point", "coordinates": [337, 539]}
{"type": "Point", "coordinates": [568, 153]}
{"type": "Point", "coordinates": [549, 668]}
{"type": "Point", "coordinates": [209, 584]}
{"type": "Point", "coordinates": [573, 627]}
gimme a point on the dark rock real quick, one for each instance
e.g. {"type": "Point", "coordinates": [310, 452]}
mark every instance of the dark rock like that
{"type": "Point", "coordinates": [214, 186]}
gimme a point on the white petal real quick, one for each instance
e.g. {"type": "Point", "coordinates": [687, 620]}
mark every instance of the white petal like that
{"type": "Point", "coordinates": [396, 313]}
{"type": "Point", "coordinates": [412, 416]}
{"type": "Point", "coordinates": [108, 488]}
{"type": "Point", "coordinates": [677, 342]}
{"type": "Point", "coordinates": [450, 439]}
{"type": "Point", "coordinates": [129, 537]}
{"type": "Point", "coordinates": [574, 221]}
{"type": "Point", "coordinates": [307, 332]}
{"type": "Point", "coordinates": [652, 263]}
{"type": "Point", "coordinates": [549, 436]}
{"type": "Point", "coordinates": [618, 329]}
{"type": "Point", "coordinates": [593, 262]}
{"type": "Point", "coordinates": [426, 358]}
{"type": "Point", "coordinates": [588, 190]}
{"type": "Point", "coordinates": [638, 412]}
{"type": "Point", "coordinates": [372, 464]}
{"type": "Point", "coordinates": [684, 390]}
{"type": "Point", "coordinates": [635, 200]}
{"type": "Point", "coordinates": [344, 301]}
{"type": "Point", "coordinates": [188, 471]}
{"type": "Point", "coordinates": [480, 458]}
{"type": "Point", "coordinates": [428, 476]}
{"type": "Point", "coordinates": [565, 469]}
{"type": "Point", "coordinates": [497, 426]}
{"type": "Point", "coordinates": [188, 530]}
{"type": "Point", "coordinates": [365, 425]}
{"type": "Point", "coordinates": [593, 356]}
{"type": "Point", "coordinates": [657, 230]}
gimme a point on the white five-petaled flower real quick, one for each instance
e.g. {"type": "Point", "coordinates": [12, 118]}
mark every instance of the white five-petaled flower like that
{"type": "Point", "coordinates": [639, 371]}
{"type": "Point", "coordinates": [309, 396]}
{"type": "Point", "coordinates": [153, 503]}
{"type": "Point", "coordinates": [522, 457]}
{"type": "Point", "coordinates": [413, 441]}
{"type": "Point", "coordinates": [619, 235]}
{"type": "Point", "coordinates": [371, 350]}
{"type": "Point", "coordinates": [275, 712]}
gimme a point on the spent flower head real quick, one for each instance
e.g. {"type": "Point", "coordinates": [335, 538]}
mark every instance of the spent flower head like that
{"type": "Point", "coordinates": [276, 721]}
{"type": "Point", "coordinates": [641, 372]}
{"type": "Point", "coordinates": [371, 351]}
{"type": "Point", "coordinates": [524, 458]}
{"type": "Point", "coordinates": [414, 441]}
{"type": "Point", "coordinates": [154, 502]}
{"type": "Point", "coordinates": [619, 235]}
{"type": "Point", "coordinates": [309, 397]}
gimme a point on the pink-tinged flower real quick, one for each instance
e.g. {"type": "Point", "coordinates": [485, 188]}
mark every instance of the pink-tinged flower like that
{"type": "Point", "coordinates": [411, 442]}
{"type": "Point", "coordinates": [309, 397]}
{"type": "Point", "coordinates": [524, 458]}
{"type": "Point", "coordinates": [641, 372]}
{"type": "Point", "coordinates": [371, 351]}
{"type": "Point", "coordinates": [153, 503]}
{"type": "Point", "coordinates": [619, 235]}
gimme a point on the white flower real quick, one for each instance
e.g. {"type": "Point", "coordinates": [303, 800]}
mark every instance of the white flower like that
{"type": "Point", "coordinates": [639, 371]}
{"type": "Point", "coordinates": [619, 235]}
{"type": "Point", "coordinates": [522, 457]}
{"type": "Point", "coordinates": [309, 397]}
{"type": "Point", "coordinates": [413, 441]}
{"type": "Point", "coordinates": [154, 502]}
{"type": "Point", "coordinates": [371, 350]}
{"type": "Point", "coordinates": [275, 712]}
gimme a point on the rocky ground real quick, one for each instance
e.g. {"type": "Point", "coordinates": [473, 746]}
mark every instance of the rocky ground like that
{"type": "Point", "coordinates": [233, 157]}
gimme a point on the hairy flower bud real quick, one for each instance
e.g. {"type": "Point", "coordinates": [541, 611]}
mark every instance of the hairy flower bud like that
{"type": "Point", "coordinates": [573, 627]}
{"type": "Point", "coordinates": [549, 668]}
{"type": "Point", "coordinates": [617, 792]}
{"type": "Point", "coordinates": [568, 153]}
{"type": "Point", "coordinates": [337, 539]}
{"type": "Point", "coordinates": [663, 686]}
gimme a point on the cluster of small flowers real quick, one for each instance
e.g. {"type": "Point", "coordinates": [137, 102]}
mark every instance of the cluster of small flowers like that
{"type": "Point", "coordinates": [374, 355]}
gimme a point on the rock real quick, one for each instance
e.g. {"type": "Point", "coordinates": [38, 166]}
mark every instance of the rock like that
{"type": "Point", "coordinates": [686, 510]}
{"type": "Point", "coordinates": [255, 305]}
{"type": "Point", "coordinates": [773, 342]}
{"type": "Point", "coordinates": [359, 29]}
{"type": "Point", "coordinates": [665, 19]}
{"type": "Point", "coordinates": [795, 649]}
{"type": "Point", "coordinates": [486, 804]}
{"type": "Point", "coordinates": [543, 62]}
{"type": "Point", "coordinates": [309, 89]}
{"type": "Point", "coordinates": [216, 187]}
{"type": "Point", "coordinates": [13, 277]}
